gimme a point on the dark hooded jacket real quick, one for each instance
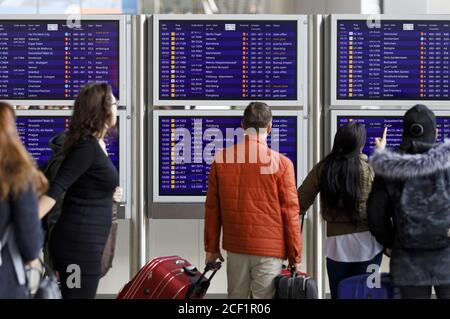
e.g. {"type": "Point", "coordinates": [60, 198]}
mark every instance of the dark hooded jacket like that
{"type": "Point", "coordinates": [408, 267]}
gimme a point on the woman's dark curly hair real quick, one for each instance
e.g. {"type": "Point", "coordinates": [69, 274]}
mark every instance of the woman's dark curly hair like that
{"type": "Point", "coordinates": [91, 113]}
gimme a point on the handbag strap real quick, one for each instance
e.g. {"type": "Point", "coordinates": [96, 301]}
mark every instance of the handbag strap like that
{"type": "Point", "coordinates": [43, 271]}
{"type": "Point", "coordinates": [303, 221]}
{"type": "Point", "coordinates": [9, 240]}
{"type": "Point", "coordinates": [4, 241]}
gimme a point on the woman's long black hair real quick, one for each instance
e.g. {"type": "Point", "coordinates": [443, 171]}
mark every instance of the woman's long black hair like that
{"type": "Point", "coordinates": [340, 172]}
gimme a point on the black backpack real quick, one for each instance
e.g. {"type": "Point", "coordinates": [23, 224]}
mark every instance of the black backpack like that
{"type": "Point", "coordinates": [422, 216]}
{"type": "Point", "coordinates": [51, 170]}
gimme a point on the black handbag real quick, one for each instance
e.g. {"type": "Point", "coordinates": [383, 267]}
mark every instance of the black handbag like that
{"type": "Point", "coordinates": [48, 287]}
{"type": "Point", "coordinates": [110, 245]}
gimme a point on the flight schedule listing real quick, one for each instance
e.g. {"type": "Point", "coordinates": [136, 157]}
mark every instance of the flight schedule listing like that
{"type": "Point", "coordinates": [36, 132]}
{"type": "Point", "coordinates": [227, 60]}
{"type": "Point", "coordinates": [185, 159]}
{"type": "Point", "coordinates": [53, 60]}
{"type": "Point", "coordinates": [393, 60]}
{"type": "Point", "coordinates": [375, 125]}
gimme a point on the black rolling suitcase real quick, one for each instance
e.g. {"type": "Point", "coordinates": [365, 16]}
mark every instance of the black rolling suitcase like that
{"type": "Point", "coordinates": [295, 285]}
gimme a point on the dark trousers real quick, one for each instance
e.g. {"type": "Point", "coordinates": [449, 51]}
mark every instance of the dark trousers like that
{"type": "Point", "coordinates": [338, 271]}
{"type": "Point", "coordinates": [424, 292]}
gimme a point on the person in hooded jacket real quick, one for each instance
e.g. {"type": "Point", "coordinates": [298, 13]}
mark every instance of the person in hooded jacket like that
{"type": "Point", "coordinates": [401, 216]}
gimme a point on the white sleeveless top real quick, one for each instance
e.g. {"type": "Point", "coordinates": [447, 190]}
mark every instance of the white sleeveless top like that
{"type": "Point", "coordinates": [356, 247]}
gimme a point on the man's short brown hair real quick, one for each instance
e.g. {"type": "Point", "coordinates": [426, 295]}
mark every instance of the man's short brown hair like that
{"type": "Point", "coordinates": [257, 115]}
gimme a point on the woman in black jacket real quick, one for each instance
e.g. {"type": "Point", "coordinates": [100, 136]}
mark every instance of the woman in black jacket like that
{"type": "Point", "coordinates": [401, 207]}
{"type": "Point", "coordinates": [20, 185]}
{"type": "Point", "coordinates": [89, 180]}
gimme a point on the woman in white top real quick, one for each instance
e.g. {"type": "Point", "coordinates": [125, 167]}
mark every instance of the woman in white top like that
{"type": "Point", "coordinates": [344, 180]}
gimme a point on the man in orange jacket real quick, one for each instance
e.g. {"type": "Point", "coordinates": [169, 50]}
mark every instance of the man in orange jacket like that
{"type": "Point", "coordinates": [255, 200]}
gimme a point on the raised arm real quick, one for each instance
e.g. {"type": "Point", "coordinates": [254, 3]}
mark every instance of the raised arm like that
{"type": "Point", "coordinates": [309, 189]}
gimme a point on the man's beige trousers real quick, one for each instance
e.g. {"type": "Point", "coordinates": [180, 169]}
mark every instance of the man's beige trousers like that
{"type": "Point", "coordinates": [251, 276]}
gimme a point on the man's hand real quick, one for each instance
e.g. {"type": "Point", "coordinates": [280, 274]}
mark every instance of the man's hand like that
{"type": "Point", "coordinates": [296, 265]}
{"type": "Point", "coordinates": [212, 257]}
{"type": "Point", "coordinates": [380, 143]}
{"type": "Point", "coordinates": [388, 252]}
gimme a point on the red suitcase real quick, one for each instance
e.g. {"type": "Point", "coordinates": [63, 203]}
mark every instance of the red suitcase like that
{"type": "Point", "coordinates": [169, 278]}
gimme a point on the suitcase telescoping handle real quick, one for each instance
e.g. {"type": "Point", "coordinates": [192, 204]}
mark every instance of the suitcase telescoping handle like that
{"type": "Point", "coordinates": [200, 284]}
{"type": "Point", "coordinates": [212, 266]}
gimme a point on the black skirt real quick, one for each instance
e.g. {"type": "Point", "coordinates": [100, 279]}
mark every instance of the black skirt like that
{"type": "Point", "coordinates": [80, 235]}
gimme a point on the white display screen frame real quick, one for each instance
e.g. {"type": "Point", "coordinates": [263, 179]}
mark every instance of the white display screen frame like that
{"type": "Point", "coordinates": [301, 145]}
{"type": "Point", "coordinates": [302, 58]}
{"type": "Point", "coordinates": [122, 19]}
{"type": "Point", "coordinates": [333, 60]}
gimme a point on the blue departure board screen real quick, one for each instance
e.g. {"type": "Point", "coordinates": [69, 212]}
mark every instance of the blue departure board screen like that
{"type": "Point", "coordinates": [227, 60]}
{"type": "Point", "coordinates": [52, 60]}
{"type": "Point", "coordinates": [191, 179]}
{"type": "Point", "coordinates": [399, 60]}
{"type": "Point", "coordinates": [36, 131]}
{"type": "Point", "coordinates": [375, 125]}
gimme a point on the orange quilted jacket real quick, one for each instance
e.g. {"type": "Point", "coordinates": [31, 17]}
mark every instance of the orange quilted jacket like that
{"type": "Point", "coordinates": [255, 203]}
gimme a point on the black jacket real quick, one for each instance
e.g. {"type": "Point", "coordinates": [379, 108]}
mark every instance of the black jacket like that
{"type": "Point", "coordinates": [407, 267]}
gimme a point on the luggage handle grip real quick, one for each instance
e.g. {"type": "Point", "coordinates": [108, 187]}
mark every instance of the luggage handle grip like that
{"type": "Point", "coordinates": [192, 270]}
{"type": "Point", "coordinates": [199, 284]}
{"type": "Point", "coordinates": [211, 266]}
{"type": "Point", "coordinates": [291, 270]}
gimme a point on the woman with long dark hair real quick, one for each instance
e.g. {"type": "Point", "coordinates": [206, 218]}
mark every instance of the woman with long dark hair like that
{"type": "Point", "coordinates": [344, 180]}
{"type": "Point", "coordinates": [21, 183]}
{"type": "Point", "coordinates": [89, 180]}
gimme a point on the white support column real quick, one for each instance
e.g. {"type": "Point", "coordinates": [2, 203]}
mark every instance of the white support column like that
{"type": "Point", "coordinates": [138, 238]}
{"type": "Point", "coordinates": [315, 259]}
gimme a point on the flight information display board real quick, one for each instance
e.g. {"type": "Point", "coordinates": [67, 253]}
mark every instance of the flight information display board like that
{"type": "Point", "coordinates": [392, 59]}
{"type": "Point", "coordinates": [180, 178]}
{"type": "Point", "coordinates": [54, 59]}
{"type": "Point", "coordinates": [36, 131]}
{"type": "Point", "coordinates": [375, 125]}
{"type": "Point", "coordinates": [226, 60]}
